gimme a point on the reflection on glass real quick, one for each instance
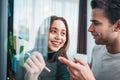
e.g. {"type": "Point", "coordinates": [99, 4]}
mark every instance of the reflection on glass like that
{"type": "Point", "coordinates": [29, 14]}
{"type": "Point", "coordinates": [41, 42]}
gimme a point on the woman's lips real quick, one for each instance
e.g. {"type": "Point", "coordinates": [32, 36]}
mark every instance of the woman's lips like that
{"type": "Point", "coordinates": [55, 43]}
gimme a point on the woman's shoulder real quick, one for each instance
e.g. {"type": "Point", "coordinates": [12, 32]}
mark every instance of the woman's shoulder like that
{"type": "Point", "coordinates": [61, 65]}
{"type": "Point", "coordinates": [62, 72]}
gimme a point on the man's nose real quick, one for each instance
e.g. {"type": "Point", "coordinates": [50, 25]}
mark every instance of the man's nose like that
{"type": "Point", "coordinates": [91, 28]}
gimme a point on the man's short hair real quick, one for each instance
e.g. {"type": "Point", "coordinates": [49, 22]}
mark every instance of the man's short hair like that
{"type": "Point", "coordinates": [111, 8]}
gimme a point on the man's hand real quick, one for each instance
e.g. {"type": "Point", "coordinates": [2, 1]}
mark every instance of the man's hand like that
{"type": "Point", "coordinates": [78, 69]}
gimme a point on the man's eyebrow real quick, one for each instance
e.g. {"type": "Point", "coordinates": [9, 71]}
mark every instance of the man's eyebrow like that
{"type": "Point", "coordinates": [93, 20]}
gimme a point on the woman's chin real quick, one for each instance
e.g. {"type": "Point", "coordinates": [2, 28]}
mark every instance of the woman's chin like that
{"type": "Point", "coordinates": [53, 49]}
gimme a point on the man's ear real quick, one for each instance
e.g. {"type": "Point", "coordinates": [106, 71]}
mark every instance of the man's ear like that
{"type": "Point", "coordinates": [117, 27]}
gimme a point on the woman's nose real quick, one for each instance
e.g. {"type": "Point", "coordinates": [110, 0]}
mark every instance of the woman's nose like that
{"type": "Point", "coordinates": [58, 36]}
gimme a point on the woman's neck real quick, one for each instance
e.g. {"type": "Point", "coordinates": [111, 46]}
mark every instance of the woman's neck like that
{"type": "Point", "coordinates": [51, 52]}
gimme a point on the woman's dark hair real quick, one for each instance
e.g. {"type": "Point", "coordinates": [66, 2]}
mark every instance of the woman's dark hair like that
{"type": "Point", "coordinates": [111, 8]}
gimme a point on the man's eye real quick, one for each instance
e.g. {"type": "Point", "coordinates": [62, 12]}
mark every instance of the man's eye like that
{"type": "Point", "coordinates": [97, 23]}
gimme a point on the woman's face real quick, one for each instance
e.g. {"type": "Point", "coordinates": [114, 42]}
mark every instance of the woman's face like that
{"type": "Point", "coordinates": [56, 36]}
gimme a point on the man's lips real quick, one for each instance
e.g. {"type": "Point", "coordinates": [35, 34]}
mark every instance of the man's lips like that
{"type": "Point", "coordinates": [94, 36]}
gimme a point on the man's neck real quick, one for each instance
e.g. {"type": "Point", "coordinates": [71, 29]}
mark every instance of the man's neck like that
{"type": "Point", "coordinates": [114, 48]}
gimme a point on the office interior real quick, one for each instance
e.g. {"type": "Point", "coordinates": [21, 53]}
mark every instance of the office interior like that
{"type": "Point", "coordinates": [20, 20]}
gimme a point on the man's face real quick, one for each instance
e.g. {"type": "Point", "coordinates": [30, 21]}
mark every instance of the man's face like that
{"type": "Point", "coordinates": [100, 28]}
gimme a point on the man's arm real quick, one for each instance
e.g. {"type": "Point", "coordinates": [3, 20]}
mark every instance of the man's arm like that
{"type": "Point", "coordinates": [79, 70]}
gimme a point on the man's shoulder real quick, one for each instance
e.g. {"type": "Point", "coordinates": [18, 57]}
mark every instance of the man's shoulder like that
{"type": "Point", "coordinates": [99, 47]}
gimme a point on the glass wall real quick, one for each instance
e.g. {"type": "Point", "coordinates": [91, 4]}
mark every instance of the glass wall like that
{"type": "Point", "coordinates": [28, 15]}
{"type": "Point", "coordinates": [27, 18]}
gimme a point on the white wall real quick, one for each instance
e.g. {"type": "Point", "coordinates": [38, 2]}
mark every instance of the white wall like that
{"type": "Point", "coordinates": [90, 41]}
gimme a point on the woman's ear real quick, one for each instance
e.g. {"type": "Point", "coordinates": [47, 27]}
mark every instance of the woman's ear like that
{"type": "Point", "coordinates": [117, 25]}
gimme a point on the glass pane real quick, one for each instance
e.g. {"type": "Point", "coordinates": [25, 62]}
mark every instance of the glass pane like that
{"type": "Point", "coordinates": [28, 16]}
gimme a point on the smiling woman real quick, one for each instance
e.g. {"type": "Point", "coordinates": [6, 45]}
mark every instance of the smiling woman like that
{"type": "Point", "coordinates": [58, 40]}
{"type": "Point", "coordinates": [28, 15]}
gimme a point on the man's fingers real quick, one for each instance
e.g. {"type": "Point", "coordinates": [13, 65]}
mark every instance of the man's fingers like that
{"type": "Point", "coordinates": [79, 61]}
{"type": "Point", "coordinates": [68, 62]}
{"type": "Point", "coordinates": [64, 60]}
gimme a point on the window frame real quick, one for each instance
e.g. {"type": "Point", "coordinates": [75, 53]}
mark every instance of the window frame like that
{"type": "Point", "coordinates": [82, 27]}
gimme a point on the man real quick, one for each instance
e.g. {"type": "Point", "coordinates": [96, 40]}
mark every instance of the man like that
{"type": "Point", "coordinates": [105, 29]}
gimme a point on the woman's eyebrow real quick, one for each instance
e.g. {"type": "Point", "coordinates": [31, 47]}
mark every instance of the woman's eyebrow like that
{"type": "Point", "coordinates": [53, 27]}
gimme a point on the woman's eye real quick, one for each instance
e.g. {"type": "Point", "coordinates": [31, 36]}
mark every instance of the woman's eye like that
{"type": "Point", "coordinates": [53, 31]}
{"type": "Point", "coordinates": [63, 33]}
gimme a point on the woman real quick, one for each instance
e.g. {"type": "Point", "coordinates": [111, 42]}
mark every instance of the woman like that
{"type": "Point", "coordinates": [58, 39]}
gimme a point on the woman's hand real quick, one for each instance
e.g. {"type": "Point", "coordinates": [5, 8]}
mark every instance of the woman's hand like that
{"type": "Point", "coordinates": [78, 69]}
{"type": "Point", "coordinates": [34, 66]}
